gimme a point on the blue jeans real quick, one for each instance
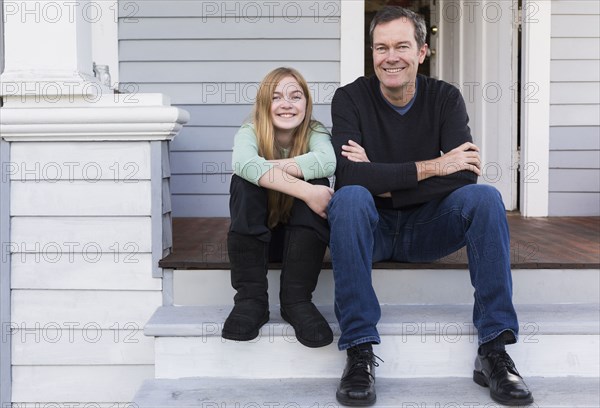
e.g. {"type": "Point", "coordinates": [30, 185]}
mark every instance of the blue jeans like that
{"type": "Point", "coordinates": [361, 234]}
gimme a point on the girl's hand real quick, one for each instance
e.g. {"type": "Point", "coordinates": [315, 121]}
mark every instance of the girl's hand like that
{"type": "Point", "coordinates": [318, 199]}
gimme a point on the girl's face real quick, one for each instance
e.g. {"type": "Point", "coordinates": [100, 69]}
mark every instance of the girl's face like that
{"type": "Point", "coordinates": [288, 106]}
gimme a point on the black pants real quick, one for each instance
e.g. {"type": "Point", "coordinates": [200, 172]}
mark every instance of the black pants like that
{"type": "Point", "coordinates": [249, 213]}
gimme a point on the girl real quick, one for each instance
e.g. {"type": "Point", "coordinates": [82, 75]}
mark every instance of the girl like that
{"type": "Point", "coordinates": [279, 196]}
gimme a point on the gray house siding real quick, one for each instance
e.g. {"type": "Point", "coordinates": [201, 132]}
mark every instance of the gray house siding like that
{"type": "Point", "coordinates": [575, 109]}
{"type": "Point", "coordinates": [209, 58]}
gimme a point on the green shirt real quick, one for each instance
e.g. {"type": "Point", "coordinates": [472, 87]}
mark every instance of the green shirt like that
{"type": "Point", "coordinates": [318, 162]}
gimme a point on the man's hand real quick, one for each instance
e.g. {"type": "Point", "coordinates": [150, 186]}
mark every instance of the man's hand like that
{"type": "Point", "coordinates": [464, 157]}
{"type": "Point", "coordinates": [318, 198]}
{"type": "Point", "coordinates": [354, 152]}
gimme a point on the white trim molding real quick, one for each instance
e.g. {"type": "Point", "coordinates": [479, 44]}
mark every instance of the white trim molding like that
{"type": "Point", "coordinates": [352, 38]}
{"type": "Point", "coordinates": [105, 38]}
{"type": "Point", "coordinates": [535, 111]}
{"type": "Point", "coordinates": [5, 291]}
{"type": "Point", "coordinates": [111, 117]}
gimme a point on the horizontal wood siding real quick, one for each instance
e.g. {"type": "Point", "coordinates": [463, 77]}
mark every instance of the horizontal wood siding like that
{"type": "Point", "coordinates": [574, 111]}
{"type": "Point", "coordinates": [81, 255]}
{"type": "Point", "coordinates": [209, 57]}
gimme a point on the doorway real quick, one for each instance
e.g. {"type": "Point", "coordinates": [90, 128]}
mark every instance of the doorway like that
{"type": "Point", "coordinates": [421, 7]}
{"type": "Point", "coordinates": [476, 48]}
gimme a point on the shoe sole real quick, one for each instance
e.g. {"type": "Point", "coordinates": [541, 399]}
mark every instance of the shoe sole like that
{"type": "Point", "coordinates": [479, 379]}
{"type": "Point", "coordinates": [304, 342]}
{"type": "Point", "coordinates": [246, 336]}
{"type": "Point", "coordinates": [350, 402]}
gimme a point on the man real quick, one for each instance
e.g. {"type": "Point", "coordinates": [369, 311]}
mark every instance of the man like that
{"type": "Point", "coordinates": [399, 199]}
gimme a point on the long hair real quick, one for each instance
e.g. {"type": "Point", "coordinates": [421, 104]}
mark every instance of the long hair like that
{"type": "Point", "coordinates": [280, 205]}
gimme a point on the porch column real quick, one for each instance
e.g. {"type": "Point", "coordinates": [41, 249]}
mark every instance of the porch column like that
{"type": "Point", "coordinates": [87, 217]}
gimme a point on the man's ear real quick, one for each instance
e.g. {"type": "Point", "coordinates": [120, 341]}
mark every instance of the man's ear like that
{"type": "Point", "coordinates": [423, 53]}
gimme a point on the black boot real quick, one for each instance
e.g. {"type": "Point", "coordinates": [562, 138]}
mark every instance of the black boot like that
{"type": "Point", "coordinates": [249, 258]}
{"type": "Point", "coordinates": [302, 261]}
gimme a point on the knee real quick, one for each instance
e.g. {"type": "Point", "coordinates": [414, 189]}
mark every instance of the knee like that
{"type": "Point", "coordinates": [351, 203]}
{"type": "Point", "coordinates": [483, 196]}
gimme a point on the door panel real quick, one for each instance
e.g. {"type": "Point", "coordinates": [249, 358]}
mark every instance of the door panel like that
{"type": "Point", "coordinates": [475, 48]}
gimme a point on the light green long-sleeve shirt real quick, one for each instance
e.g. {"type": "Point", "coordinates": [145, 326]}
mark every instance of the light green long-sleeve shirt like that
{"type": "Point", "coordinates": [318, 162]}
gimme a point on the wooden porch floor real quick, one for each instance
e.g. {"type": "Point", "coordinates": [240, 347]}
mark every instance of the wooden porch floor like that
{"type": "Point", "coordinates": [536, 243]}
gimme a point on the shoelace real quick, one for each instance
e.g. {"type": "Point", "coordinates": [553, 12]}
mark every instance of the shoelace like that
{"type": "Point", "coordinates": [361, 360]}
{"type": "Point", "coordinates": [503, 361]}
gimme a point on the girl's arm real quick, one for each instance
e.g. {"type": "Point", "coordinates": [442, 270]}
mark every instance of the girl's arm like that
{"type": "Point", "coordinates": [315, 196]}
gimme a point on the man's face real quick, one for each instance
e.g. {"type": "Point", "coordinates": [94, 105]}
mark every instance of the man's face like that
{"type": "Point", "coordinates": [396, 56]}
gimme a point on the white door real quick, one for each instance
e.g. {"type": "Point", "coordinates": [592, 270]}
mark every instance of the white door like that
{"type": "Point", "coordinates": [475, 48]}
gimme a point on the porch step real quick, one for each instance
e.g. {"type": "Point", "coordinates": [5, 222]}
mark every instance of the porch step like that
{"type": "Point", "coordinates": [417, 341]}
{"type": "Point", "coordinates": [320, 393]}
{"type": "Point", "coordinates": [404, 286]}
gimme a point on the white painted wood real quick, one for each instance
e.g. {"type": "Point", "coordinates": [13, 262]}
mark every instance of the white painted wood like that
{"type": "Point", "coordinates": [535, 114]}
{"type": "Point", "coordinates": [574, 204]}
{"type": "Point", "coordinates": [575, 138]}
{"type": "Point", "coordinates": [81, 198]}
{"type": "Point", "coordinates": [228, 8]}
{"type": "Point", "coordinates": [575, 7]}
{"type": "Point", "coordinates": [575, 180]}
{"type": "Point", "coordinates": [405, 357]}
{"type": "Point", "coordinates": [5, 272]}
{"type": "Point", "coordinates": [39, 161]}
{"type": "Point", "coordinates": [204, 137]}
{"type": "Point", "coordinates": [391, 393]}
{"type": "Point", "coordinates": [85, 124]}
{"type": "Point", "coordinates": [61, 345]}
{"type": "Point", "coordinates": [103, 309]}
{"type": "Point", "coordinates": [405, 286]}
{"type": "Point", "coordinates": [235, 115]}
{"type": "Point", "coordinates": [105, 37]}
{"type": "Point", "coordinates": [587, 26]}
{"type": "Point", "coordinates": [222, 92]}
{"type": "Point", "coordinates": [93, 236]}
{"type": "Point", "coordinates": [212, 205]}
{"type": "Point", "coordinates": [577, 93]}
{"type": "Point", "coordinates": [114, 404]}
{"type": "Point", "coordinates": [231, 28]}
{"type": "Point", "coordinates": [352, 36]}
{"type": "Point", "coordinates": [112, 271]}
{"type": "Point", "coordinates": [403, 320]}
{"type": "Point", "coordinates": [217, 71]}
{"type": "Point", "coordinates": [575, 103]}
{"type": "Point", "coordinates": [476, 51]}
{"type": "Point", "coordinates": [58, 32]}
{"type": "Point", "coordinates": [271, 49]}
{"type": "Point", "coordinates": [77, 383]}
{"type": "Point", "coordinates": [201, 162]}
{"type": "Point", "coordinates": [563, 49]}
{"type": "Point", "coordinates": [574, 115]}
{"type": "Point", "coordinates": [216, 183]}
{"type": "Point", "coordinates": [575, 70]}
{"type": "Point", "coordinates": [166, 195]}
{"type": "Point", "coordinates": [575, 159]}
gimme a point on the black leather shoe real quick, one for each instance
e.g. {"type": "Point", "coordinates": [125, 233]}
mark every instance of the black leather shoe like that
{"type": "Point", "coordinates": [245, 321]}
{"type": "Point", "coordinates": [357, 386]}
{"type": "Point", "coordinates": [497, 371]}
{"type": "Point", "coordinates": [312, 330]}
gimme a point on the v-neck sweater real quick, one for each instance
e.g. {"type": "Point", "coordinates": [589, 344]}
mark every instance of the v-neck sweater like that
{"type": "Point", "coordinates": [437, 122]}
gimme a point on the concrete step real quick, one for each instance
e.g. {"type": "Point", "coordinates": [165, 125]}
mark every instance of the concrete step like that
{"type": "Point", "coordinates": [401, 286]}
{"type": "Point", "coordinates": [417, 341]}
{"type": "Point", "coordinates": [320, 393]}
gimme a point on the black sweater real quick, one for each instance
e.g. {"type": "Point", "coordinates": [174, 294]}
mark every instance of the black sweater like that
{"type": "Point", "coordinates": [437, 121]}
